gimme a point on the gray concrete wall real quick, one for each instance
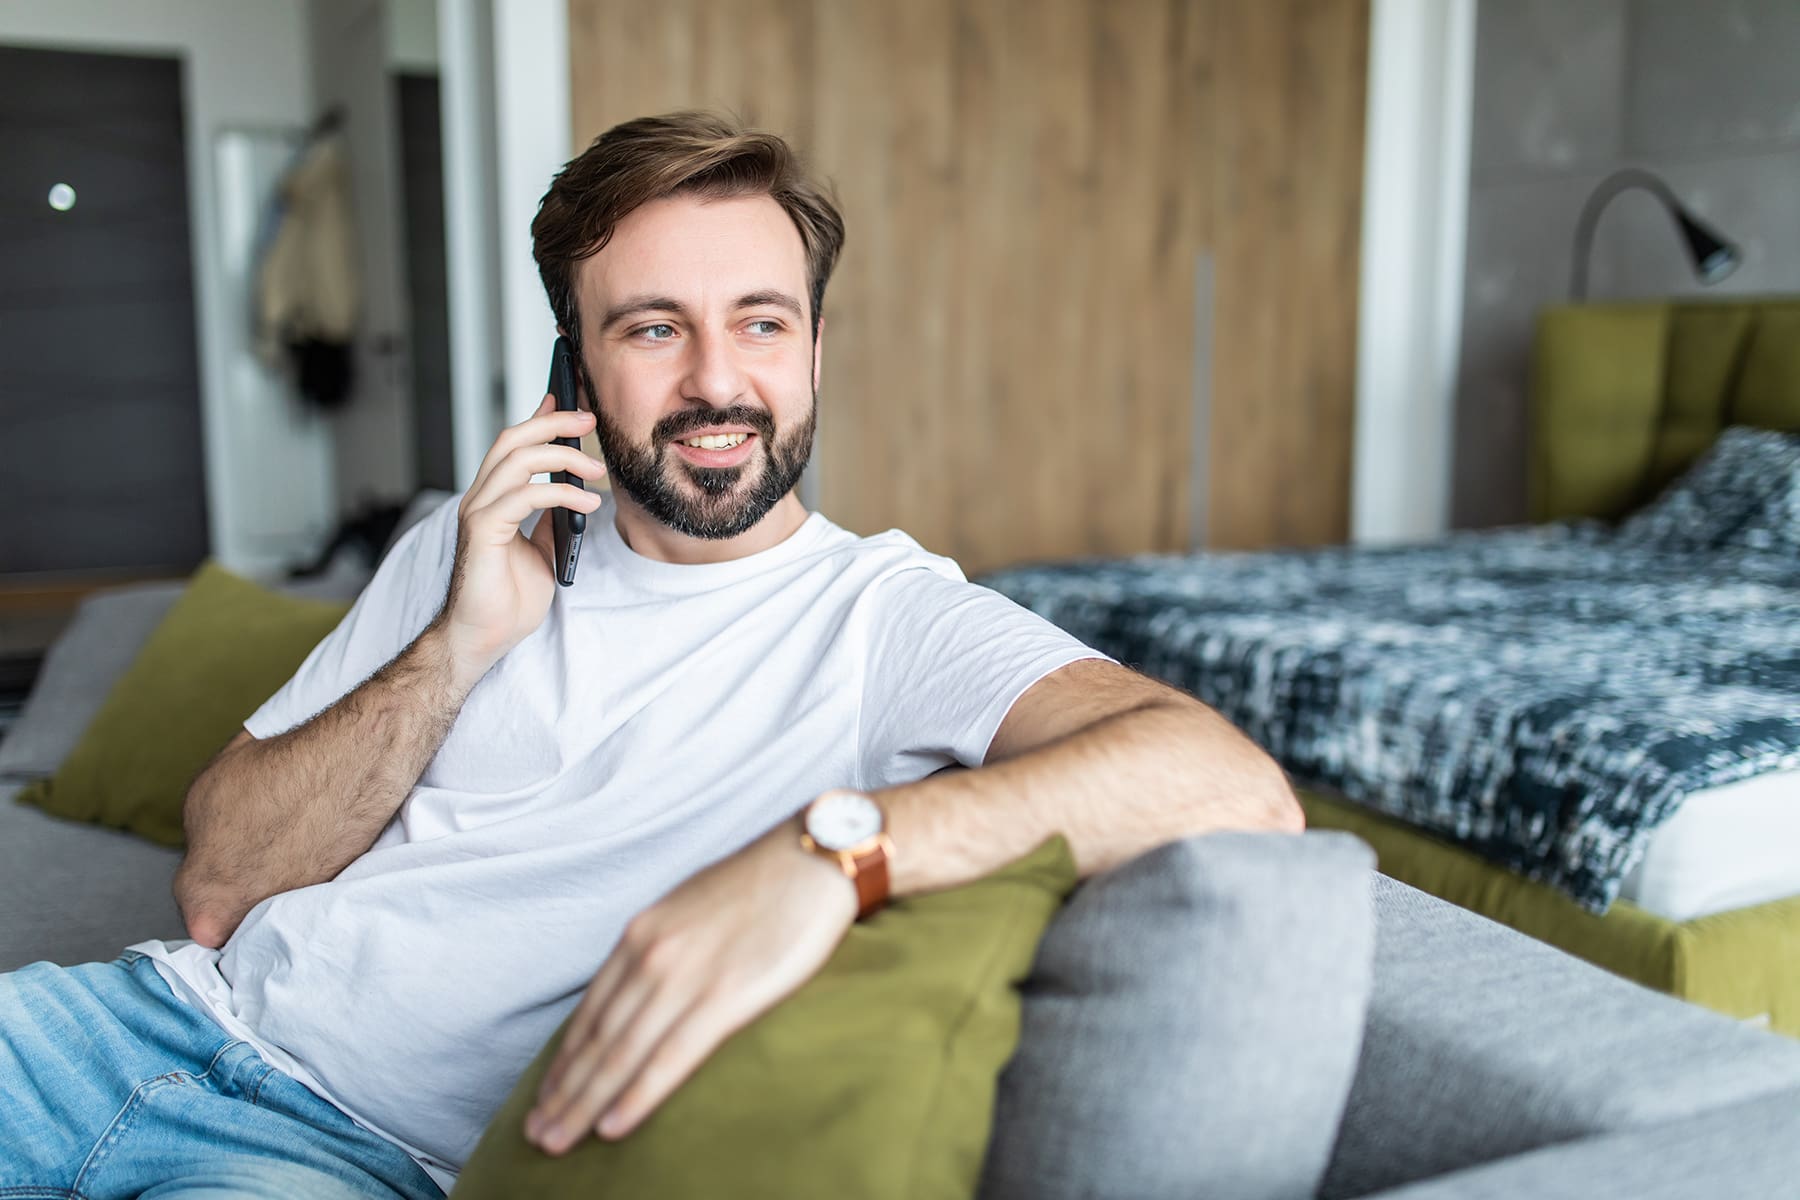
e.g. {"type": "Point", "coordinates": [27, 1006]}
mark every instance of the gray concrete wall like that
{"type": "Point", "coordinates": [1705, 93]}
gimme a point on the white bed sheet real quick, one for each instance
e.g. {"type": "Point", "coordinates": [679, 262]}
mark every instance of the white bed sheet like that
{"type": "Point", "coordinates": [1727, 847]}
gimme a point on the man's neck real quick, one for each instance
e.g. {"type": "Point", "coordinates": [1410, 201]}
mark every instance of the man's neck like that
{"type": "Point", "coordinates": [649, 537]}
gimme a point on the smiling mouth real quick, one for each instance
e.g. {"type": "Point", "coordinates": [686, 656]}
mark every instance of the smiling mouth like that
{"type": "Point", "coordinates": [719, 450]}
{"type": "Point", "coordinates": [714, 441]}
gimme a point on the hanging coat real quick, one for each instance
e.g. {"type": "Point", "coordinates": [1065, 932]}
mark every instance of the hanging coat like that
{"type": "Point", "coordinates": [307, 288]}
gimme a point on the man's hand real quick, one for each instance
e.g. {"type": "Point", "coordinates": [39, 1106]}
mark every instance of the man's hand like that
{"type": "Point", "coordinates": [501, 581]}
{"type": "Point", "coordinates": [690, 971]}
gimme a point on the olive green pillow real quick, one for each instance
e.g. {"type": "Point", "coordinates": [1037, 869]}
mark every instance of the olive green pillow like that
{"type": "Point", "coordinates": [226, 646]}
{"type": "Point", "coordinates": [875, 1079]}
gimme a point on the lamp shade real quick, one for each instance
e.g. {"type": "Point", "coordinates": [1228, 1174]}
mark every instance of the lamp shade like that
{"type": "Point", "coordinates": [1714, 258]}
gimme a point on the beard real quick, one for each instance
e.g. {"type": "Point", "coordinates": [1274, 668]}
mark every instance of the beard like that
{"type": "Point", "coordinates": [706, 502]}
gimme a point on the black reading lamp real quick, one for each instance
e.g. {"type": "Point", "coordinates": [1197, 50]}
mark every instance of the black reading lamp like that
{"type": "Point", "coordinates": [1712, 256]}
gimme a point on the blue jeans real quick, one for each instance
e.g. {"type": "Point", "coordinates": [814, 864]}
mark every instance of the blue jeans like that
{"type": "Point", "coordinates": [113, 1086]}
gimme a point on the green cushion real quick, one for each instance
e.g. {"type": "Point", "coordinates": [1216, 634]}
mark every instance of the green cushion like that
{"type": "Point", "coordinates": [226, 646]}
{"type": "Point", "coordinates": [875, 1079]}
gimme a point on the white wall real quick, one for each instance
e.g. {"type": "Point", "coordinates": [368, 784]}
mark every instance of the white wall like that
{"type": "Point", "coordinates": [466, 100]}
{"type": "Point", "coordinates": [243, 64]}
{"type": "Point", "coordinates": [412, 34]}
{"type": "Point", "coordinates": [531, 73]}
{"type": "Point", "coordinates": [1409, 314]}
{"type": "Point", "coordinates": [501, 324]}
{"type": "Point", "coordinates": [376, 444]}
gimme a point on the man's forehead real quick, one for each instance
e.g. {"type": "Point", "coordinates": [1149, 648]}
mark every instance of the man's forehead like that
{"type": "Point", "coordinates": [704, 253]}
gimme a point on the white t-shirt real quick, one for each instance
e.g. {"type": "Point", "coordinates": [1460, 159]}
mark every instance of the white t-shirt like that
{"type": "Point", "coordinates": [661, 717]}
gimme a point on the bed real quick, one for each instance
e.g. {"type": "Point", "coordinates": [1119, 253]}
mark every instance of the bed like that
{"type": "Point", "coordinates": [1587, 728]}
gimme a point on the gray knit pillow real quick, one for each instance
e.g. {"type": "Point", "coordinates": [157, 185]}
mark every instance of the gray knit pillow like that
{"type": "Point", "coordinates": [1191, 1026]}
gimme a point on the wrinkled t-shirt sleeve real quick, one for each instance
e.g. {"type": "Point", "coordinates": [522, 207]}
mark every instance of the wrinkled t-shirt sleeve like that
{"type": "Point", "coordinates": [405, 594]}
{"type": "Point", "coordinates": [947, 660]}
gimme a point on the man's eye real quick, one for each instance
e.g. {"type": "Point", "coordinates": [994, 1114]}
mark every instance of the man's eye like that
{"type": "Point", "coordinates": [664, 325]}
{"type": "Point", "coordinates": [774, 326]}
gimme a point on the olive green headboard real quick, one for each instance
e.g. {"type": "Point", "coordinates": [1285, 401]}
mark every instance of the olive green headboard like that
{"type": "Point", "coordinates": [1625, 396]}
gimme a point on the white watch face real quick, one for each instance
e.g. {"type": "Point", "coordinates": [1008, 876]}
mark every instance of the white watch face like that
{"type": "Point", "coordinates": [842, 819]}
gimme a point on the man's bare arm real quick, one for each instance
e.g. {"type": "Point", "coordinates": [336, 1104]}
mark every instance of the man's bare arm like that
{"type": "Point", "coordinates": [271, 815]}
{"type": "Point", "coordinates": [1117, 762]}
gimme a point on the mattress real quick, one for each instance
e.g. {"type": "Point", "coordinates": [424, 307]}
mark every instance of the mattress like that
{"type": "Point", "coordinates": [1725, 847]}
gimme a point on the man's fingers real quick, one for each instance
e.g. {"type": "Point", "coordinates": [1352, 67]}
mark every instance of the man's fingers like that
{"type": "Point", "coordinates": [578, 1059]}
{"type": "Point", "coordinates": [539, 428]}
{"type": "Point", "coordinates": [593, 1003]}
{"type": "Point", "coordinates": [582, 1022]}
{"type": "Point", "coordinates": [592, 1092]}
{"type": "Point", "coordinates": [691, 1042]}
{"type": "Point", "coordinates": [500, 447]}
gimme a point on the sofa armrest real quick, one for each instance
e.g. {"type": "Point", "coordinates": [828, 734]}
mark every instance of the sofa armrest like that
{"type": "Point", "coordinates": [1482, 1043]}
{"type": "Point", "coordinates": [1748, 1149]}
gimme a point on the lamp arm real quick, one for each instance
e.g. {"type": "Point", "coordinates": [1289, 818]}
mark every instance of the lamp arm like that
{"type": "Point", "coordinates": [1612, 185]}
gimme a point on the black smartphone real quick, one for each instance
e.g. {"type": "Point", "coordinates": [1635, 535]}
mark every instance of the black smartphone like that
{"type": "Point", "coordinates": [569, 525]}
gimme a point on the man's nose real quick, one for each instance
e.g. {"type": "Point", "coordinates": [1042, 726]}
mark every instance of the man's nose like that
{"type": "Point", "coordinates": [714, 373]}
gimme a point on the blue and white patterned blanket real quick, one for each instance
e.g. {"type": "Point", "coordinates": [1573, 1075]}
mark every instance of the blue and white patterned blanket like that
{"type": "Point", "coordinates": [1545, 696]}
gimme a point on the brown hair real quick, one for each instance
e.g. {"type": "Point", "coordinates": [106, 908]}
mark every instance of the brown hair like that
{"type": "Point", "coordinates": [680, 153]}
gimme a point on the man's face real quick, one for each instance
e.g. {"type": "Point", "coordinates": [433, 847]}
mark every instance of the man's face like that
{"type": "Point", "coordinates": [696, 320]}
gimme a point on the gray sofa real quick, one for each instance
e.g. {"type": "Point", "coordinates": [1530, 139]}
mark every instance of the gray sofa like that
{"type": "Point", "coordinates": [1491, 1065]}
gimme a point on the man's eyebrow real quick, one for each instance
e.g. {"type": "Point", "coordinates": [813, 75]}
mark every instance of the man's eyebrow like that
{"type": "Point", "coordinates": [638, 305]}
{"type": "Point", "coordinates": [771, 297]}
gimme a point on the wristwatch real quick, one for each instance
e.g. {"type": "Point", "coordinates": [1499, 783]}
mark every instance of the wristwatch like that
{"type": "Point", "coordinates": [850, 829]}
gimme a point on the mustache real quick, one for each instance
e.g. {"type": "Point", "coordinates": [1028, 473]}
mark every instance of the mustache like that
{"type": "Point", "coordinates": [683, 425]}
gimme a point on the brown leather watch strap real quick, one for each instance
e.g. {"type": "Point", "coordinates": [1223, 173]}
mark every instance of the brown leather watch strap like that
{"type": "Point", "coordinates": [869, 871]}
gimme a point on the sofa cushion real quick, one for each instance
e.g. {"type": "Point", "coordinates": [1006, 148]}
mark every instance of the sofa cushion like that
{"type": "Point", "coordinates": [71, 892]}
{"type": "Point", "coordinates": [108, 631]}
{"type": "Point", "coordinates": [1482, 1043]}
{"type": "Point", "coordinates": [93, 650]}
{"type": "Point", "coordinates": [1191, 1025]}
{"type": "Point", "coordinates": [223, 648]}
{"type": "Point", "coordinates": [1742, 1150]}
{"type": "Point", "coordinates": [875, 1079]}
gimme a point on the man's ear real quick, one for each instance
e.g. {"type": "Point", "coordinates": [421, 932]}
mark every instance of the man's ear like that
{"type": "Point", "coordinates": [818, 353]}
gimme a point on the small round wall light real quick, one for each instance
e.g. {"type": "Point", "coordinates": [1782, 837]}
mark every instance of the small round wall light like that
{"type": "Point", "coordinates": [62, 197]}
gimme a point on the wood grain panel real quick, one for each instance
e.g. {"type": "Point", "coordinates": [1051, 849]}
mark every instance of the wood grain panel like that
{"type": "Point", "coordinates": [1027, 186]}
{"type": "Point", "coordinates": [1286, 230]}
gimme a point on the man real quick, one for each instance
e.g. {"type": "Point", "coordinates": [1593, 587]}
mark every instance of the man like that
{"type": "Point", "coordinates": [599, 798]}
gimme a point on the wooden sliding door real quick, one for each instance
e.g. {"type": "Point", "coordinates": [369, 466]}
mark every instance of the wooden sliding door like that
{"type": "Point", "coordinates": [1054, 207]}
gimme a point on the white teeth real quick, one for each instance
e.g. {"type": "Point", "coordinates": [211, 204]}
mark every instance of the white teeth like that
{"type": "Point", "coordinates": [716, 441]}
